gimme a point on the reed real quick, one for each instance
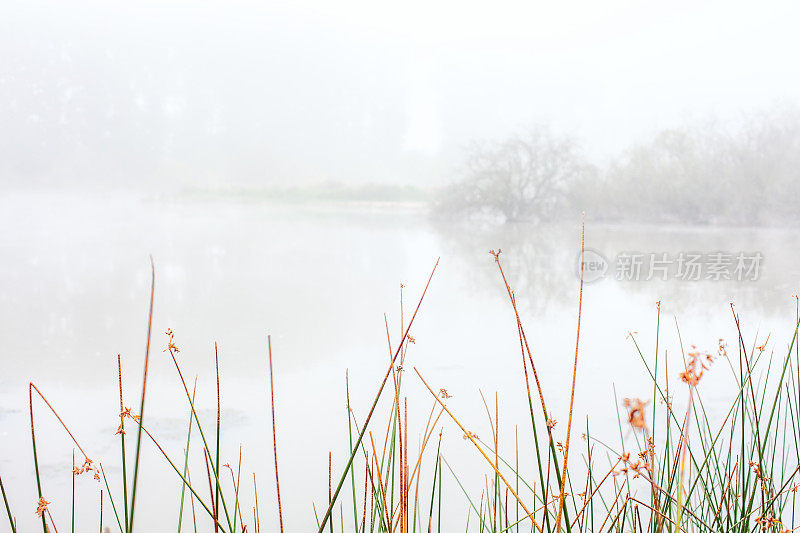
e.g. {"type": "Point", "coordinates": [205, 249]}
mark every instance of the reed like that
{"type": "Point", "coordinates": [674, 468]}
{"type": "Point", "coordinates": [11, 523]}
{"type": "Point", "coordinates": [137, 455]}
{"type": "Point", "coordinates": [186, 462]}
{"type": "Point", "coordinates": [274, 437]}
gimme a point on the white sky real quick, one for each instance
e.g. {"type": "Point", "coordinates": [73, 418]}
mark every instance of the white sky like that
{"type": "Point", "coordinates": [377, 91]}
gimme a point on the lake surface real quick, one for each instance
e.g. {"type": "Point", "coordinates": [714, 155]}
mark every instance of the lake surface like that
{"type": "Point", "coordinates": [318, 279]}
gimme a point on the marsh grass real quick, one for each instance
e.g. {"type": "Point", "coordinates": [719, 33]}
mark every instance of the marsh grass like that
{"type": "Point", "coordinates": [672, 470]}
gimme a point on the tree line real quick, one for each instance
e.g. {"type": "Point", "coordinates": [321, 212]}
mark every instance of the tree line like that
{"type": "Point", "coordinates": [699, 174]}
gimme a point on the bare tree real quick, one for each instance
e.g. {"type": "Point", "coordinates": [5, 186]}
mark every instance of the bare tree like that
{"type": "Point", "coordinates": [741, 173]}
{"type": "Point", "coordinates": [526, 177]}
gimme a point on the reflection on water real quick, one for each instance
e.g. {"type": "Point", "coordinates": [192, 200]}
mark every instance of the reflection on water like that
{"type": "Point", "coordinates": [319, 279]}
{"type": "Point", "coordinates": [544, 261]}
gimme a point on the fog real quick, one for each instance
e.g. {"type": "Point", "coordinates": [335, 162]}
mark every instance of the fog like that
{"type": "Point", "coordinates": [159, 96]}
{"type": "Point", "coordinates": [295, 169]}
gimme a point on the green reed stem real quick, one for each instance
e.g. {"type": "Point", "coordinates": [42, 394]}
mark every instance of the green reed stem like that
{"type": "Point", "coordinates": [144, 391]}
{"type": "Point", "coordinates": [186, 461]}
{"type": "Point", "coordinates": [110, 498]}
{"type": "Point", "coordinates": [217, 487]}
{"type": "Point", "coordinates": [349, 463]}
{"type": "Point", "coordinates": [8, 509]}
{"type": "Point", "coordinates": [35, 455]}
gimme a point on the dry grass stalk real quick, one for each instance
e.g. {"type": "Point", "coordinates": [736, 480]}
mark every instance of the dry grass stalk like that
{"type": "Point", "coordinates": [572, 389]}
{"type": "Point", "coordinates": [274, 433]}
{"type": "Point", "coordinates": [471, 438]}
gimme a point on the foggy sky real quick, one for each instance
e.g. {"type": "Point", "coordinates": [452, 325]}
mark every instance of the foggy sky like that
{"type": "Point", "coordinates": [209, 93]}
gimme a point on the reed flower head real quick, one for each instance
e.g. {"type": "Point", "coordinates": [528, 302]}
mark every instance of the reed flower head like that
{"type": "Point", "coordinates": [722, 349]}
{"type": "Point", "coordinates": [126, 413]}
{"type": "Point", "coordinates": [470, 435]}
{"type": "Point", "coordinates": [171, 342]}
{"type": "Point", "coordinates": [698, 363]}
{"type": "Point", "coordinates": [85, 467]}
{"type": "Point", "coordinates": [767, 522]}
{"type": "Point", "coordinates": [635, 408]}
{"type": "Point", "coordinates": [41, 507]}
{"type": "Point", "coordinates": [639, 467]}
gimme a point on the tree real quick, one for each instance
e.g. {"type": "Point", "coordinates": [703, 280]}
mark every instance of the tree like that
{"type": "Point", "coordinates": [741, 173]}
{"type": "Point", "coordinates": [525, 177]}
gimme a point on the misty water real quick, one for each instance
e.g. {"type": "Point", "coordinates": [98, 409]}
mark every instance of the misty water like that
{"type": "Point", "coordinates": [318, 278]}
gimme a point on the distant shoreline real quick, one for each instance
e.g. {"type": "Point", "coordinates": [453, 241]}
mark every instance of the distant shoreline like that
{"type": "Point", "coordinates": [334, 192]}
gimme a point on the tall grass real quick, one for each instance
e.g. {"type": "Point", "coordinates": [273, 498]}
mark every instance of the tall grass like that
{"type": "Point", "coordinates": [675, 468]}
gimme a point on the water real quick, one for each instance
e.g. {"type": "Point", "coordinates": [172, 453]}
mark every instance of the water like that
{"type": "Point", "coordinates": [318, 279]}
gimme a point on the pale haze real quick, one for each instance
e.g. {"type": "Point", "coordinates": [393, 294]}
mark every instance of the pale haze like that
{"type": "Point", "coordinates": [291, 167]}
{"type": "Point", "coordinates": [206, 93]}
